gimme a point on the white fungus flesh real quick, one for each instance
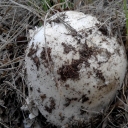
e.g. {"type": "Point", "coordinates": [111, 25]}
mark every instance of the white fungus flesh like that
{"type": "Point", "coordinates": [74, 69]}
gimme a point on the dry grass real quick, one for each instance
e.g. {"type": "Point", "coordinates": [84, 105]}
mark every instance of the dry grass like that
{"type": "Point", "coordinates": [16, 18]}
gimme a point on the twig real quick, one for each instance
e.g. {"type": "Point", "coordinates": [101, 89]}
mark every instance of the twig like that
{"type": "Point", "coordinates": [8, 69]}
{"type": "Point", "coordinates": [106, 117]}
{"type": "Point", "coordinates": [4, 125]}
{"type": "Point", "coordinates": [71, 29]}
{"type": "Point", "coordinates": [27, 8]}
{"type": "Point", "coordinates": [112, 123]}
{"type": "Point", "coordinates": [14, 87]}
{"type": "Point", "coordinates": [20, 58]}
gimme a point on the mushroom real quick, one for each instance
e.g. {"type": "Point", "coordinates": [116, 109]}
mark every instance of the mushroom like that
{"type": "Point", "coordinates": [74, 68]}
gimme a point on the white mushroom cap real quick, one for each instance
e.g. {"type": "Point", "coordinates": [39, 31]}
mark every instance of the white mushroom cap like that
{"type": "Point", "coordinates": [80, 74]}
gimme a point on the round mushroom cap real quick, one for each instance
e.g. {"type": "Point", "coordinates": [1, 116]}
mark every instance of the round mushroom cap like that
{"type": "Point", "coordinates": [74, 68]}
